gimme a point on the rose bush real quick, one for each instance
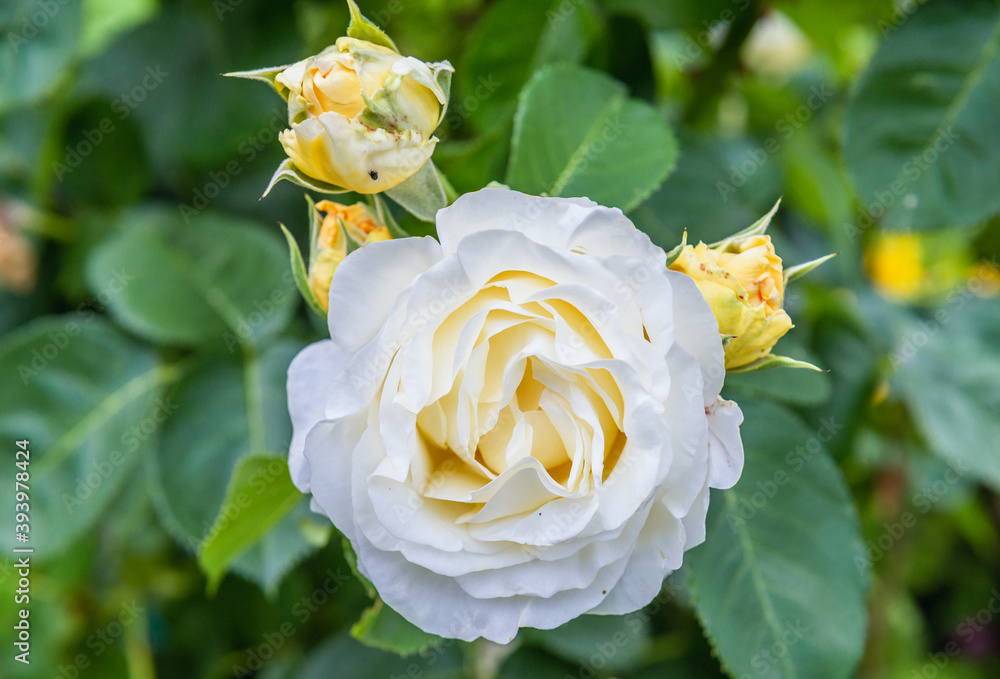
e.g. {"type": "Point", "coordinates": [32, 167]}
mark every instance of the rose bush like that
{"type": "Point", "coordinates": [516, 425]}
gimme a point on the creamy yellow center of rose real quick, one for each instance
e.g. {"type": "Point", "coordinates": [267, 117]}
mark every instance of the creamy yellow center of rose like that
{"type": "Point", "coordinates": [513, 399]}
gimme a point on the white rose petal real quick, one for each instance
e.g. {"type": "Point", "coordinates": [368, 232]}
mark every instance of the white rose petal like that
{"type": "Point", "coordinates": [519, 425]}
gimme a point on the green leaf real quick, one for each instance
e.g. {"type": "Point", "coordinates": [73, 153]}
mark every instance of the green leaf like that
{"type": "Point", "coordinates": [217, 280]}
{"type": "Point", "coordinates": [260, 495]}
{"type": "Point", "coordinates": [300, 274]}
{"type": "Point", "coordinates": [780, 582]}
{"type": "Point", "coordinates": [383, 628]}
{"type": "Point", "coordinates": [361, 28]}
{"type": "Point", "coordinates": [352, 561]}
{"type": "Point", "coordinates": [226, 410]}
{"type": "Point", "coordinates": [39, 45]}
{"type": "Point", "coordinates": [921, 139]}
{"type": "Point", "coordinates": [492, 71]}
{"type": "Point", "coordinates": [949, 376]}
{"type": "Point", "coordinates": [104, 20]}
{"type": "Point", "coordinates": [577, 640]}
{"type": "Point", "coordinates": [422, 194]}
{"type": "Point", "coordinates": [88, 399]}
{"type": "Point", "coordinates": [343, 656]}
{"type": "Point", "coordinates": [576, 133]}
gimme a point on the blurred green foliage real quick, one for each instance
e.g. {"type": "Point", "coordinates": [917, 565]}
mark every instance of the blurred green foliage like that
{"type": "Point", "coordinates": [149, 315]}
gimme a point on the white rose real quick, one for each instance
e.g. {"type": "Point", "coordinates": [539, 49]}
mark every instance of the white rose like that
{"type": "Point", "coordinates": [517, 425]}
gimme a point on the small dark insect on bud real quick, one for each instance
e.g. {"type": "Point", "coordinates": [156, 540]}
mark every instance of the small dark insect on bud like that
{"type": "Point", "coordinates": [374, 175]}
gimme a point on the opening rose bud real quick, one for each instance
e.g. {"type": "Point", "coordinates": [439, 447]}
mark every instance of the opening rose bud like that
{"type": "Point", "coordinates": [337, 224]}
{"type": "Point", "coordinates": [362, 116]}
{"type": "Point", "coordinates": [742, 281]}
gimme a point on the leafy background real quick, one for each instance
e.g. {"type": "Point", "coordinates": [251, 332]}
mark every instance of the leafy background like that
{"type": "Point", "coordinates": [148, 317]}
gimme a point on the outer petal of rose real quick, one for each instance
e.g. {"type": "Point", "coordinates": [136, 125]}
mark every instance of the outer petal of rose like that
{"type": "Point", "coordinates": [346, 153]}
{"type": "Point", "coordinates": [577, 224]}
{"type": "Point", "coordinates": [725, 447]}
{"type": "Point", "coordinates": [329, 448]}
{"type": "Point", "coordinates": [659, 551]}
{"type": "Point", "coordinates": [438, 605]}
{"type": "Point", "coordinates": [308, 376]}
{"type": "Point", "coordinates": [368, 282]}
{"type": "Point", "coordinates": [700, 335]}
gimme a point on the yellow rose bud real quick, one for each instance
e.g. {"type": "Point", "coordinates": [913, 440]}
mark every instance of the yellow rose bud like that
{"type": "Point", "coordinates": [337, 224]}
{"type": "Point", "coordinates": [362, 116]}
{"type": "Point", "coordinates": [742, 280]}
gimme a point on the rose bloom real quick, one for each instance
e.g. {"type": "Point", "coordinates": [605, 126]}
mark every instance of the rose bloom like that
{"type": "Point", "coordinates": [519, 424]}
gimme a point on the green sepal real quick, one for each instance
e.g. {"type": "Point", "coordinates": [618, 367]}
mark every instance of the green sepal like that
{"type": "Point", "coordinates": [264, 75]}
{"type": "Point", "coordinates": [422, 194]}
{"type": "Point", "coordinates": [361, 28]}
{"type": "Point", "coordinates": [287, 170]}
{"type": "Point", "coordinates": [800, 270]}
{"type": "Point", "coordinates": [772, 361]}
{"type": "Point", "coordinates": [756, 229]}
{"type": "Point", "coordinates": [676, 252]}
{"type": "Point", "coordinates": [384, 216]}
{"type": "Point", "coordinates": [300, 274]}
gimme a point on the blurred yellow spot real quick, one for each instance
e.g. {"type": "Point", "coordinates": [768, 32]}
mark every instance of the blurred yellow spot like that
{"type": "Point", "coordinates": [895, 265]}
